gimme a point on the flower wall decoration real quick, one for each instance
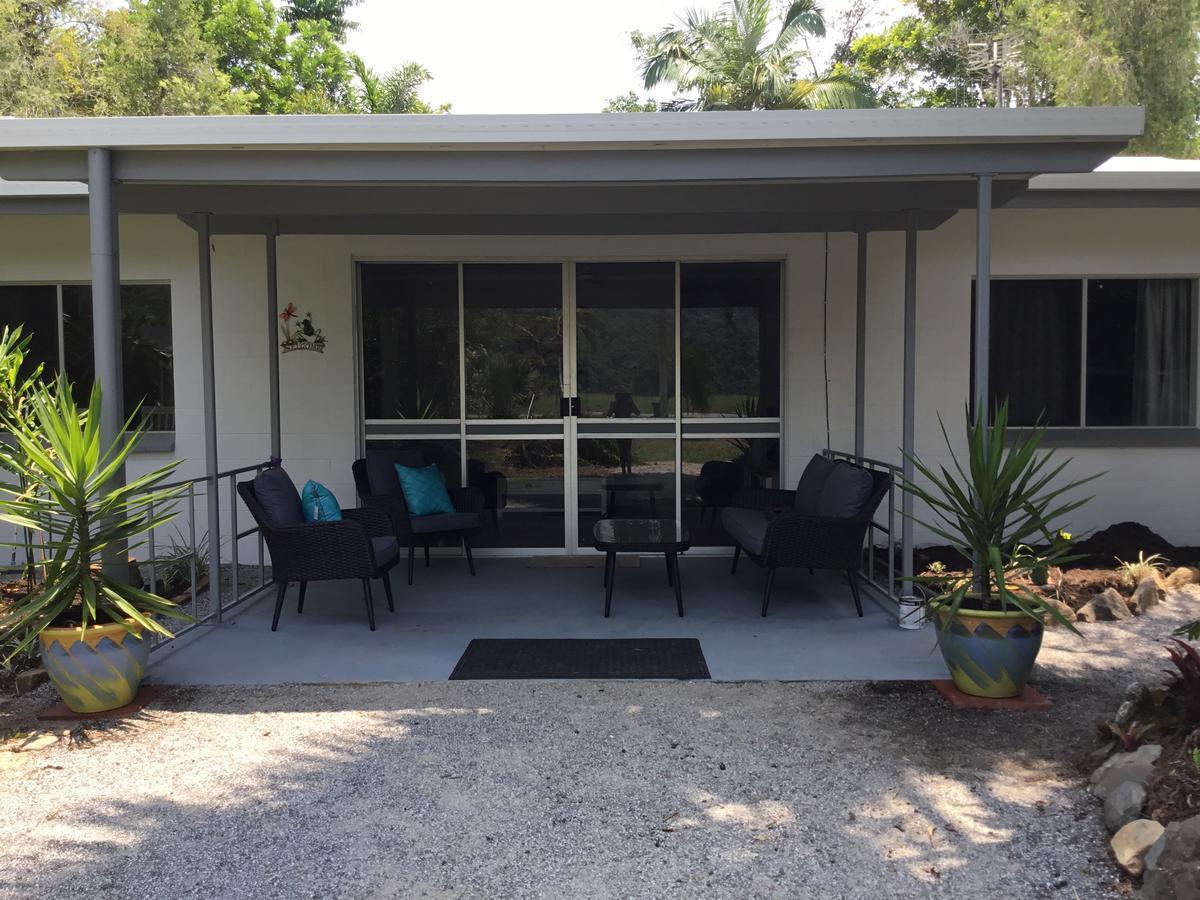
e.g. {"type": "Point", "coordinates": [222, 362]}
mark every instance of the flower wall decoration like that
{"type": "Point", "coordinates": [303, 335]}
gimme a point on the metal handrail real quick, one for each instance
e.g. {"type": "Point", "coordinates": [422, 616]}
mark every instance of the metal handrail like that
{"type": "Point", "coordinates": [191, 489]}
{"type": "Point", "coordinates": [891, 542]}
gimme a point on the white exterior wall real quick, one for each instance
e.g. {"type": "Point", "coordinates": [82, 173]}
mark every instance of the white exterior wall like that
{"type": "Point", "coordinates": [1156, 486]}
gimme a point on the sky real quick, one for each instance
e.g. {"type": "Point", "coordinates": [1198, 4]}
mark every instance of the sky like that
{"type": "Point", "coordinates": [525, 56]}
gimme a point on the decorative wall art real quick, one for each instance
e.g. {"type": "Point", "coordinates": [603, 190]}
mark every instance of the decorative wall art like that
{"type": "Point", "coordinates": [301, 336]}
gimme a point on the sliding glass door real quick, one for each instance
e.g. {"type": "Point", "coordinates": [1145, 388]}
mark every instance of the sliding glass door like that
{"type": "Point", "coordinates": [513, 365]}
{"type": "Point", "coordinates": [567, 392]}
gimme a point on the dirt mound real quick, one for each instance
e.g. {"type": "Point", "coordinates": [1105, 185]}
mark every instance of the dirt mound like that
{"type": "Point", "coordinates": [1125, 540]}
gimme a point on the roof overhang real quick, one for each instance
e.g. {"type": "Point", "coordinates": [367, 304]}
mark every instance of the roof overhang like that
{"type": "Point", "coordinates": [587, 174]}
{"type": "Point", "coordinates": [1136, 182]}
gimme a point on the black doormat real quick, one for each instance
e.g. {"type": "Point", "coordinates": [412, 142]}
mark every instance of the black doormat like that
{"type": "Point", "coordinates": [679, 658]}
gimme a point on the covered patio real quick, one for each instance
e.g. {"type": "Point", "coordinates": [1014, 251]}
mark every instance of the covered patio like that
{"type": "Point", "coordinates": [775, 175]}
{"type": "Point", "coordinates": [812, 633]}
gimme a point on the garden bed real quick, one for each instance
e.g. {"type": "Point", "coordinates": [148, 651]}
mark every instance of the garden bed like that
{"type": "Point", "coordinates": [1117, 559]}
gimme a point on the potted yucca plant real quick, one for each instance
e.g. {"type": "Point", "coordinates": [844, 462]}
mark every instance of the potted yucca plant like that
{"type": "Point", "coordinates": [1005, 497]}
{"type": "Point", "coordinates": [91, 627]}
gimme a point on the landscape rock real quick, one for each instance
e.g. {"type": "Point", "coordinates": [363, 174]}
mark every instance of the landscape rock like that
{"type": "Point", "coordinates": [1131, 844]}
{"type": "Point", "coordinates": [1137, 766]}
{"type": "Point", "coordinates": [1173, 863]}
{"type": "Point", "coordinates": [30, 680]}
{"type": "Point", "coordinates": [1123, 805]}
{"type": "Point", "coordinates": [1108, 606]}
{"type": "Point", "coordinates": [1146, 595]}
{"type": "Point", "coordinates": [1183, 576]}
{"type": "Point", "coordinates": [1124, 714]}
{"type": "Point", "coordinates": [1136, 692]}
{"type": "Point", "coordinates": [1078, 586]}
{"type": "Point", "coordinates": [1064, 610]}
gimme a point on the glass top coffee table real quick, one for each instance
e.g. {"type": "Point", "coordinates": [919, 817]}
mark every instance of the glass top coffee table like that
{"type": "Point", "coordinates": [665, 536]}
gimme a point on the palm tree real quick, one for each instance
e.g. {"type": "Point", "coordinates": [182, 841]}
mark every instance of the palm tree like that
{"type": "Point", "coordinates": [395, 92]}
{"type": "Point", "coordinates": [728, 61]}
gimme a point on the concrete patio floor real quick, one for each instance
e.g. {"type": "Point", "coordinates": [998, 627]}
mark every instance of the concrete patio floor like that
{"type": "Point", "coordinates": [811, 633]}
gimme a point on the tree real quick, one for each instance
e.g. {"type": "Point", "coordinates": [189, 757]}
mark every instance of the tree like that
{"type": "Point", "coordinates": [395, 92]}
{"type": "Point", "coordinates": [332, 12]}
{"type": "Point", "coordinates": [47, 66]}
{"type": "Point", "coordinates": [921, 60]}
{"type": "Point", "coordinates": [630, 102]}
{"type": "Point", "coordinates": [251, 43]}
{"type": "Point", "coordinates": [1122, 51]}
{"type": "Point", "coordinates": [728, 60]}
{"type": "Point", "coordinates": [154, 61]}
{"type": "Point", "coordinates": [1087, 52]}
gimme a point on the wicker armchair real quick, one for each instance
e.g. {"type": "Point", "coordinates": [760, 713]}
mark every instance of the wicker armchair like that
{"type": "Point", "coordinates": [359, 546]}
{"type": "Point", "coordinates": [820, 525]}
{"type": "Point", "coordinates": [379, 488]}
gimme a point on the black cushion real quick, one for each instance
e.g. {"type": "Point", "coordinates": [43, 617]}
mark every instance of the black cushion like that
{"type": "Point", "coordinates": [385, 549]}
{"type": "Point", "coordinates": [846, 492]}
{"type": "Point", "coordinates": [812, 484]}
{"type": "Point", "coordinates": [277, 495]}
{"type": "Point", "coordinates": [381, 467]}
{"type": "Point", "coordinates": [746, 526]}
{"type": "Point", "coordinates": [440, 523]}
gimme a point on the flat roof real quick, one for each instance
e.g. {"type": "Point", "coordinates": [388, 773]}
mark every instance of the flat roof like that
{"type": "Point", "coordinates": [608, 173]}
{"type": "Point", "coordinates": [776, 128]}
{"type": "Point", "coordinates": [1127, 173]}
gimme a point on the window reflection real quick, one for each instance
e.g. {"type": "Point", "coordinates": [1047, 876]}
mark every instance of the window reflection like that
{"type": "Point", "coordinates": [621, 478]}
{"type": "Point", "coordinates": [729, 320]}
{"type": "Point", "coordinates": [626, 339]}
{"type": "Point", "coordinates": [714, 470]}
{"type": "Point", "coordinates": [512, 323]}
{"type": "Point", "coordinates": [410, 341]}
{"type": "Point", "coordinates": [522, 487]}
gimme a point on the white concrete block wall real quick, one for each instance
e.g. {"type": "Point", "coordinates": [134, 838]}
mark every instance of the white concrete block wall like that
{"type": "Point", "coordinates": [319, 406]}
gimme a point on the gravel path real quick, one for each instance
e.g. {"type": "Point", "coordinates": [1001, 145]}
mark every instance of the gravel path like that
{"type": "Point", "coordinates": [591, 789]}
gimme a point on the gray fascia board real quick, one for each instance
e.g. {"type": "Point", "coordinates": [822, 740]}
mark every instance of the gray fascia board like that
{"type": "Point", "coordinates": [587, 131]}
{"type": "Point", "coordinates": [699, 199]}
{"type": "Point", "coordinates": [602, 167]}
{"type": "Point", "coordinates": [586, 224]}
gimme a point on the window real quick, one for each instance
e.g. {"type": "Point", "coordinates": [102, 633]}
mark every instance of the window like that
{"type": "Point", "coordinates": [729, 335]}
{"type": "Point", "coordinates": [625, 347]}
{"type": "Point", "coordinates": [59, 318]}
{"type": "Point", "coordinates": [410, 341]}
{"type": "Point", "coordinates": [1096, 352]}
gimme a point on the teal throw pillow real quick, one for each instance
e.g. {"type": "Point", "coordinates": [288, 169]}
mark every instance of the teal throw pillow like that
{"type": "Point", "coordinates": [319, 504]}
{"type": "Point", "coordinates": [424, 490]}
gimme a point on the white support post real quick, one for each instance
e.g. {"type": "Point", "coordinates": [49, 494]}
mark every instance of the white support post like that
{"type": "Point", "coordinates": [983, 294]}
{"type": "Point", "coordinates": [910, 396]}
{"type": "Point", "coordinates": [273, 344]}
{"type": "Point", "coordinates": [103, 231]}
{"type": "Point", "coordinates": [860, 351]}
{"type": "Point", "coordinates": [209, 375]}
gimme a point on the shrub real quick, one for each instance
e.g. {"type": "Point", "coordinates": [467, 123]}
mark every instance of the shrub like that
{"type": "Point", "coordinates": [1134, 573]}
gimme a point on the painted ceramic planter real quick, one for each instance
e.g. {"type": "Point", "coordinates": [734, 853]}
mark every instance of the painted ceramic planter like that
{"type": "Point", "coordinates": [989, 654]}
{"type": "Point", "coordinates": [98, 669]}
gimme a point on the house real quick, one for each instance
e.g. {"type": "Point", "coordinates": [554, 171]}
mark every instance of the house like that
{"type": "Point", "coordinates": [544, 301]}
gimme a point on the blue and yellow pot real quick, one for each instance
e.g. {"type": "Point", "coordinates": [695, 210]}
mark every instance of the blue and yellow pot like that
{"type": "Point", "coordinates": [989, 653]}
{"type": "Point", "coordinates": [97, 669]}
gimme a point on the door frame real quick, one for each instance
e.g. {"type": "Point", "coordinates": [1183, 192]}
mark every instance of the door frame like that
{"type": "Point", "coordinates": [569, 382]}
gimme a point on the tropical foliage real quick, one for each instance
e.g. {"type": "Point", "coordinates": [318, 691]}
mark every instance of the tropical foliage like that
{"type": "Point", "coordinates": [744, 57]}
{"type": "Point", "coordinates": [1003, 496]}
{"type": "Point", "coordinates": [65, 496]}
{"type": "Point", "coordinates": [185, 57]}
{"type": "Point", "coordinates": [1088, 53]}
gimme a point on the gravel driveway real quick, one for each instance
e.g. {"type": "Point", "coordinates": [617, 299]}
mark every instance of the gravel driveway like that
{"type": "Point", "coordinates": [605, 789]}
